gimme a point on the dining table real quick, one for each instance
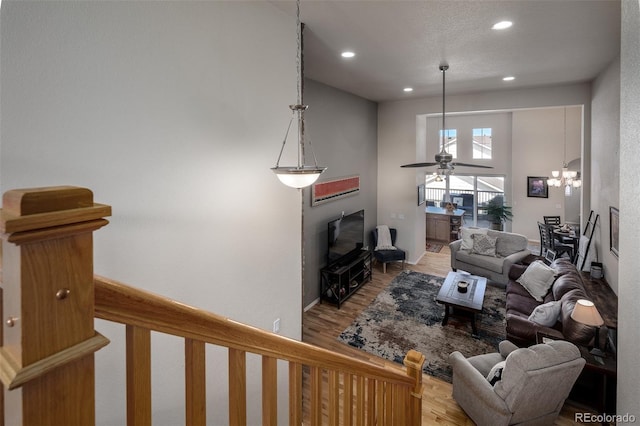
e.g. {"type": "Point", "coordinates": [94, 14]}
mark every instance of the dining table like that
{"type": "Point", "coordinates": [568, 237]}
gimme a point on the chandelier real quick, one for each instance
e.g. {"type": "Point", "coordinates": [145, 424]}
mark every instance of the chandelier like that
{"type": "Point", "coordinates": [566, 178]}
{"type": "Point", "coordinates": [302, 175]}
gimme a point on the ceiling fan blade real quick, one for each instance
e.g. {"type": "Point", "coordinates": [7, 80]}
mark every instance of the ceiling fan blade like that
{"type": "Point", "coordinates": [414, 165]}
{"type": "Point", "coordinates": [472, 165]}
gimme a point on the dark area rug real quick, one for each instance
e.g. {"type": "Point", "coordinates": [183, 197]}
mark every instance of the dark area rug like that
{"type": "Point", "coordinates": [406, 316]}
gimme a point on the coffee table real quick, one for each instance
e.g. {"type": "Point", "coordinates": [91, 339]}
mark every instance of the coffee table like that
{"type": "Point", "coordinates": [467, 304]}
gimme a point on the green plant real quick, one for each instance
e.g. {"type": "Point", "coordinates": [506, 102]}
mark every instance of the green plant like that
{"type": "Point", "coordinates": [498, 212]}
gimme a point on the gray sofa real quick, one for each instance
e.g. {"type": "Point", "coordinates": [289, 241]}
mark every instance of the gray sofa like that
{"type": "Point", "coordinates": [510, 249]}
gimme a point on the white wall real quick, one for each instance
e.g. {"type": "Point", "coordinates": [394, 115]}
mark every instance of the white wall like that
{"type": "Point", "coordinates": [400, 143]}
{"type": "Point", "coordinates": [628, 288]}
{"type": "Point", "coordinates": [173, 113]}
{"type": "Point", "coordinates": [538, 148]}
{"type": "Point", "coordinates": [605, 175]}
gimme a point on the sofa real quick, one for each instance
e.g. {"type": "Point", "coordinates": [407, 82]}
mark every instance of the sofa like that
{"type": "Point", "coordinates": [509, 249]}
{"type": "Point", "coordinates": [566, 289]}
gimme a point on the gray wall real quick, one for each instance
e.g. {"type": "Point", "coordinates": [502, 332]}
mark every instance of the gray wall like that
{"type": "Point", "coordinates": [628, 287]}
{"type": "Point", "coordinates": [160, 109]}
{"type": "Point", "coordinates": [344, 134]}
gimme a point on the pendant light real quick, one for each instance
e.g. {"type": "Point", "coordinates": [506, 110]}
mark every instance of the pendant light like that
{"type": "Point", "coordinates": [299, 176]}
{"type": "Point", "coordinates": [567, 178]}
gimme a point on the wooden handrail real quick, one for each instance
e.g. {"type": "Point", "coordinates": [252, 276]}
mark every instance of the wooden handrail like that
{"type": "Point", "coordinates": [371, 393]}
{"type": "Point", "coordinates": [121, 303]}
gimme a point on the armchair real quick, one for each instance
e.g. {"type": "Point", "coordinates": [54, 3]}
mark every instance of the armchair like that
{"type": "Point", "coordinates": [534, 385]}
{"type": "Point", "coordinates": [385, 256]}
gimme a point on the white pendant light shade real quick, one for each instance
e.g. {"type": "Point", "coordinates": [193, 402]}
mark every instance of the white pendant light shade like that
{"type": "Point", "coordinates": [298, 178]}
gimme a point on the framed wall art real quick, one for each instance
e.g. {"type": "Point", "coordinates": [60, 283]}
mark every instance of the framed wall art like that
{"type": "Point", "coordinates": [537, 187]}
{"type": "Point", "coordinates": [334, 189]}
{"type": "Point", "coordinates": [614, 229]}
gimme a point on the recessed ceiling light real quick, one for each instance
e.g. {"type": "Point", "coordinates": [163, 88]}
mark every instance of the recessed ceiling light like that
{"type": "Point", "coordinates": [502, 25]}
{"type": "Point", "coordinates": [509, 78]}
{"type": "Point", "coordinates": [408, 89]}
{"type": "Point", "coordinates": [348, 54]}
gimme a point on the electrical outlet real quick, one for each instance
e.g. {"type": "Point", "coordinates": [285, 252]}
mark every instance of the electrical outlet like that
{"type": "Point", "coordinates": [276, 325]}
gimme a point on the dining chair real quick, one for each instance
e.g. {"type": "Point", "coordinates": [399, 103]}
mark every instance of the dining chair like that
{"type": "Point", "coordinates": [548, 242]}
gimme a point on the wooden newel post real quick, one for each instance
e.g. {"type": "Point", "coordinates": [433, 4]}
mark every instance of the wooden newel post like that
{"type": "Point", "coordinates": [413, 362]}
{"type": "Point", "coordinates": [47, 357]}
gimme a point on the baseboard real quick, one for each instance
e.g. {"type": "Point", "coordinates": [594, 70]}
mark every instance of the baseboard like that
{"type": "Point", "coordinates": [311, 305]}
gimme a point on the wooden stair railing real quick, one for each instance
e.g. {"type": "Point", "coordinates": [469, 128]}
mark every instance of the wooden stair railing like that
{"type": "Point", "coordinates": [48, 303]}
{"type": "Point", "coordinates": [392, 395]}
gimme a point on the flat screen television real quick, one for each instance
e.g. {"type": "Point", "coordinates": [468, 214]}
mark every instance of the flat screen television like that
{"type": "Point", "coordinates": [346, 238]}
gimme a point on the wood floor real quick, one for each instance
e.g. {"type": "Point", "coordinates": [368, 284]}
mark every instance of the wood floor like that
{"type": "Point", "coordinates": [324, 322]}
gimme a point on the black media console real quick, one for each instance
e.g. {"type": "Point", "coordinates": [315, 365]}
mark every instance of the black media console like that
{"type": "Point", "coordinates": [339, 282]}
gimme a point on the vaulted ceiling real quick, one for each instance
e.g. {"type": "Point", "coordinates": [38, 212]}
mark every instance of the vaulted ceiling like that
{"type": "Point", "coordinates": [400, 44]}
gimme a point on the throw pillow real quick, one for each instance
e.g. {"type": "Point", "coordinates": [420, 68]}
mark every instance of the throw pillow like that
{"type": "Point", "coordinates": [484, 245]}
{"type": "Point", "coordinates": [537, 279]}
{"type": "Point", "coordinates": [495, 374]}
{"type": "Point", "coordinates": [467, 240]}
{"type": "Point", "coordinates": [546, 314]}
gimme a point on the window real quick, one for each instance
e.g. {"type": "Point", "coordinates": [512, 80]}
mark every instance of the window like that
{"type": "Point", "coordinates": [450, 141]}
{"type": "Point", "coordinates": [470, 192]}
{"type": "Point", "coordinates": [482, 143]}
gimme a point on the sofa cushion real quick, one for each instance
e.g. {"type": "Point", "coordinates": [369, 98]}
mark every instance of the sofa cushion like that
{"type": "Point", "coordinates": [571, 329]}
{"type": "Point", "coordinates": [467, 236]}
{"type": "Point", "coordinates": [537, 279]}
{"type": "Point", "coordinates": [483, 245]}
{"type": "Point", "coordinates": [486, 262]}
{"type": "Point", "coordinates": [508, 243]}
{"type": "Point", "coordinates": [546, 314]}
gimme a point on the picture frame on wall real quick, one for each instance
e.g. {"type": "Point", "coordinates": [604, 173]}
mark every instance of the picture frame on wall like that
{"type": "Point", "coordinates": [421, 194]}
{"type": "Point", "coordinates": [614, 227]}
{"type": "Point", "coordinates": [537, 187]}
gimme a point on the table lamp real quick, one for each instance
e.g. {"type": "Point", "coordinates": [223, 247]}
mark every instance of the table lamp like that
{"type": "Point", "coordinates": [585, 312]}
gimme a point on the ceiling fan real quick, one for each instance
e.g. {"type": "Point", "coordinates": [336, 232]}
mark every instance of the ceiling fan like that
{"type": "Point", "coordinates": [443, 159]}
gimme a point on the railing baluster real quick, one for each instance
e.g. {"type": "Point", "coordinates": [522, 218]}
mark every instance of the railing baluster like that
{"type": "Point", "coordinates": [371, 401]}
{"type": "Point", "coordinates": [195, 383]}
{"type": "Point", "coordinates": [138, 376]}
{"type": "Point", "coordinates": [380, 387]}
{"type": "Point", "coordinates": [269, 391]}
{"type": "Point", "coordinates": [334, 398]}
{"type": "Point", "coordinates": [315, 376]}
{"type": "Point", "coordinates": [237, 387]}
{"type": "Point", "coordinates": [295, 394]}
{"type": "Point", "coordinates": [360, 399]}
{"type": "Point", "coordinates": [347, 399]}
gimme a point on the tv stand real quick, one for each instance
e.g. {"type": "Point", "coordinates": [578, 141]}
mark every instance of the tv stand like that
{"type": "Point", "coordinates": [339, 281]}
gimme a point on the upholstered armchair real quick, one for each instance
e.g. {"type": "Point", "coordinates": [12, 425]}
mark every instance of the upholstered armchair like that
{"type": "Point", "coordinates": [534, 383]}
{"type": "Point", "coordinates": [386, 256]}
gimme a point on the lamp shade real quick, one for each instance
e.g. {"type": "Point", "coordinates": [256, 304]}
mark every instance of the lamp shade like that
{"type": "Point", "coordinates": [585, 312]}
{"type": "Point", "coordinates": [295, 177]}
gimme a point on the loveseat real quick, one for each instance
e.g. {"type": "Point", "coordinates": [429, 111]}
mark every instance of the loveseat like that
{"type": "Point", "coordinates": [508, 249]}
{"type": "Point", "coordinates": [552, 309]}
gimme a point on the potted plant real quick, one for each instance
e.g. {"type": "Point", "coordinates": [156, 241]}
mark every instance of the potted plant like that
{"type": "Point", "coordinates": [498, 213]}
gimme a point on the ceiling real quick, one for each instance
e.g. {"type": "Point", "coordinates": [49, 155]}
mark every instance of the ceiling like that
{"type": "Point", "coordinates": [402, 43]}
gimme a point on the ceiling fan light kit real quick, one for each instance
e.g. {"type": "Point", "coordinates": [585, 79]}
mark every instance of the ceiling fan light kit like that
{"type": "Point", "coordinates": [443, 159]}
